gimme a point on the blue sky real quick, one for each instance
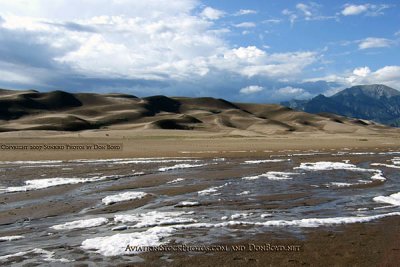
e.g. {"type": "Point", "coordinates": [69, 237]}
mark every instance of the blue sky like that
{"type": "Point", "coordinates": [251, 51]}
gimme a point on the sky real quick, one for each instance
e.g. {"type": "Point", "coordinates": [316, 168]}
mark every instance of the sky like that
{"type": "Point", "coordinates": [250, 51]}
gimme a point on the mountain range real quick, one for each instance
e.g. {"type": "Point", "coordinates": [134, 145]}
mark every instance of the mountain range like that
{"type": "Point", "coordinates": [374, 102]}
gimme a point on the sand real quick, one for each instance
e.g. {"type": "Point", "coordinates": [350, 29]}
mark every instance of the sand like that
{"type": "Point", "coordinates": [161, 143]}
{"type": "Point", "coordinates": [201, 128]}
{"type": "Point", "coordinates": [369, 244]}
{"type": "Point", "coordinates": [63, 111]}
{"type": "Point", "coordinates": [352, 245]}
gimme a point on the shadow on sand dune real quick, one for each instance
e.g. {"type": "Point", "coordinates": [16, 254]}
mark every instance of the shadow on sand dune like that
{"type": "Point", "coordinates": [62, 111]}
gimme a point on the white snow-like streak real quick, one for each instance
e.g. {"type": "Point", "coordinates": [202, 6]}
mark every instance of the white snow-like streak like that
{"type": "Point", "coordinates": [176, 181]}
{"type": "Point", "coordinates": [386, 165]}
{"type": "Point", "coordinates": [339, 184]}
{"type": "Point", "coordinates": [309, 222]}
{"type": "Point", "coordinates": [272, 176]}
{"type": "Point", "coordinates": [264, 161]}
{"type": "Point", "coordinates": [37, 184]}
{"type": "Point", "coordinates": [211, 190]}
{"type": "Point", "coordinates": [27, 162]}
{"type": "Point", "coordinates": [153, 218]}
{"type": "Point", "coordinates": [327, 165]}
{"type": "Point", "coordinates": [11, 238]}
{"type": "Point", "coordinates": [133, 160]}
{"type": "Point", "coordinates": [396, 160]}
{"type": "Point", "coordinates": [125, 196]}
{"type": "Point", "coordinates": [342, 184]}
{"type": "Point", "coordinates": [116, 244]}
{"type": "Point", "coordinates": [81, 224]}
{"type": "Point", "coordinates": [393, 199]}
{"type": "Point", "coordinates": [188, 204]}
{"type": "Point", "coordinates": [47, 255]}
{"type": "Point", "coordinates": [239, 215]}
{"type": "Point", "coordinates": [314, 222]}
{"type": "Point", "coordinates": [180, 166]}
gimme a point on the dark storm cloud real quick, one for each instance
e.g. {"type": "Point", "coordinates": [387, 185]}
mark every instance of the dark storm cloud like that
{"type": "Point", "coordinates": [73, 83]}
{"type": "Point", "coordinates": [24, 48]}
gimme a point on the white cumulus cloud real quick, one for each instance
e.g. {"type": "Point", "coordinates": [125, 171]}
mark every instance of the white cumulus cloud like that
{"type": "Point", "coordinates": [362, 71]}
{"type": "Point", "coordinates": [245, 25]}
{"type": "Point", "coordinates": [242, 12]}
{"type": "Point", "coordinates": [290, 90]}
{"type": "Point", "coordinates": [212, 13]}
{"type": "Point", "coordinates": [305, 9]}
{"type": "Point", "coordinates": [351, 10]}
{"type": "Point", "coordinates": [387, 75]}
{"type": "Point", "coordinates": [309, 12]}
{"type": "Point", "coordinates": [372, 42]}
{"type": "Point", "coordinates": [367, 9]}
{"type": "Point", "coordinates": [252, 89]}
{"type": "Point", "coordinates": [293, 92]}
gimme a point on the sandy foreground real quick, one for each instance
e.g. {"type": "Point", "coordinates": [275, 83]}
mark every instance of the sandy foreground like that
{"type": "Point", "coordinates": [371, 244]}
{"type": "Point", "coordinates": [175, 143]}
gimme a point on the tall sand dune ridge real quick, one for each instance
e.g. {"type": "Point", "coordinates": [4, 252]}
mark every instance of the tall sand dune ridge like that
{"type": "Point", "coordinates": [63, 111]}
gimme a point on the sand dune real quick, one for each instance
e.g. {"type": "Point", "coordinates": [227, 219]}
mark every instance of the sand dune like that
{"type": "Point", "coordinates": [62, 111]}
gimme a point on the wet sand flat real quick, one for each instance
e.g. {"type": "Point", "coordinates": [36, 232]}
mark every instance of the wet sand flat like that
{"type": "Point", "coordinates": [333, 196]}
{"type": "Point", "coordinates": [353, 245]}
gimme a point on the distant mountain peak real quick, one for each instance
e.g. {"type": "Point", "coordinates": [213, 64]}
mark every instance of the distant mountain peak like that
{"type": "Point", "coordinates": [375, 102]}
{"type": "Point", "coordinates": [372, 90]}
